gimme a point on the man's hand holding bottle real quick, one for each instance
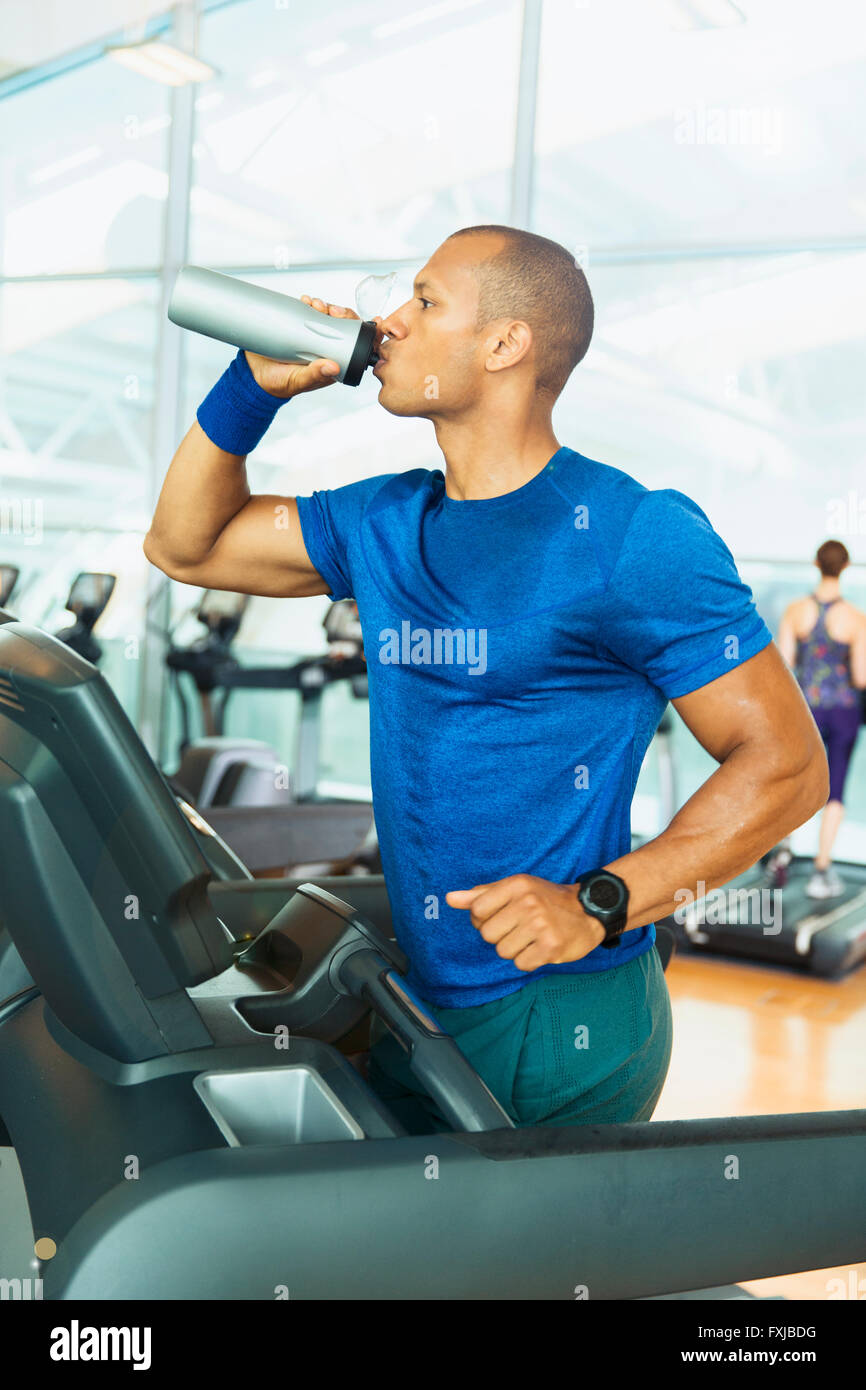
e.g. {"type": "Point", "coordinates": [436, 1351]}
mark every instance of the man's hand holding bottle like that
{"type": "Point", "coordinates": [287, 379]}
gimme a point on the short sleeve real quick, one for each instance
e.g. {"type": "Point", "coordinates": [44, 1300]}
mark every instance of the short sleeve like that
{"type": "Point", "coordinates": [675, 607]}
{"type": "Point", "coordinates": [330, 524]}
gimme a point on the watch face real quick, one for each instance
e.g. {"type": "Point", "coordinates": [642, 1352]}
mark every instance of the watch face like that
{"type": "Point", "coordinates": [605, 893]}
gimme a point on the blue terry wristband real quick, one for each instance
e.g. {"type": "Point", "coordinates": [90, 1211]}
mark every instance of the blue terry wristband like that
{"type": "Point", "coordinates": [236, 413]}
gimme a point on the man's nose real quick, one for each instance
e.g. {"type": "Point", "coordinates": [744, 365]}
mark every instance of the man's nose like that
{"type": "Point", "coordinates": [392, 326]}
{"type": "Point", "coordinates": [384, 333]}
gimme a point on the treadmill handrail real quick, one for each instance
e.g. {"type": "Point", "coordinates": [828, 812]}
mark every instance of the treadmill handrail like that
{"type": "Point", "coordinates": [449, 1078]}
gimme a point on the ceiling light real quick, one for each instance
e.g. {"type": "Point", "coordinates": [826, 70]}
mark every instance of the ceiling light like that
{"type": "Point", "coordinates": [162, 62]}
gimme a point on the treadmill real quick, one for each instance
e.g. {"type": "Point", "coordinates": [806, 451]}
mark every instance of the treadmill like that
{"type": "Point", "coordinates": [187, 1127]}
{"type": "Point", "coordinates": [231, 781]}
{"type": "Point", "coordinates": [753, 921]}
{"type": "Point", "coordinates": [763, 916]}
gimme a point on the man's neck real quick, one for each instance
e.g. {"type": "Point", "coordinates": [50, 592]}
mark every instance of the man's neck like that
{"type": "Point", "coordinates": [490, 459]}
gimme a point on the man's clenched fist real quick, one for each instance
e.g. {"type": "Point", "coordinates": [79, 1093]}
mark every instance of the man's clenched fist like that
{"type": "Point", "coordinates": [530, 921]}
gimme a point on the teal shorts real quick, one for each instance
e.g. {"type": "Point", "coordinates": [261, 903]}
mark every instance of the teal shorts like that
{"type": "Point", "coordinates": [562, 1050]}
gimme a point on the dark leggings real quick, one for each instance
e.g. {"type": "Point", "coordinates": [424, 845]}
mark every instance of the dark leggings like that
{"type": "Point", "coordinates": [838, 726]}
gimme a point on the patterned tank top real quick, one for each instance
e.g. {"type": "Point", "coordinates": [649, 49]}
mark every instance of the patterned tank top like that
{"type": "Point", "coordinates": [823, 666]}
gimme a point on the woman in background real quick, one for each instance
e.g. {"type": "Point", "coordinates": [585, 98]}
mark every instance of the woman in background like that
{"type": "Point", "coordinates": [823, 639]}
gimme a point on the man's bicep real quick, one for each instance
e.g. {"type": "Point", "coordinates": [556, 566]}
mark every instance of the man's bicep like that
{"type": "Point", "coordinates": [261, 551]}
{"type": "Point", "coordinates": [758, 702]}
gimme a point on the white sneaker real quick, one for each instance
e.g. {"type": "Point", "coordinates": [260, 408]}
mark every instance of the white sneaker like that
{"type": "Point", "coordinates": [825, 883]}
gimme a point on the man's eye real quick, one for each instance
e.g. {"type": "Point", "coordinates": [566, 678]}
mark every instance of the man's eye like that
{"type": "Point", "coordinates": [425, 301]}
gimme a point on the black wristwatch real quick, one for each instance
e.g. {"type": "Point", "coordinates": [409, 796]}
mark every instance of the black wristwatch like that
{"type": "Point", "coordinates": [604, 896]}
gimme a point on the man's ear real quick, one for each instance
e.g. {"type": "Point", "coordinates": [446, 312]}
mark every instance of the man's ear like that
{"type": "Point", "coordinates": [509, 346]}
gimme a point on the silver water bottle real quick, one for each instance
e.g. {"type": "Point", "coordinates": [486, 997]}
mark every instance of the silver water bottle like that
{"type": "Point", "coordinates": [270, 323]}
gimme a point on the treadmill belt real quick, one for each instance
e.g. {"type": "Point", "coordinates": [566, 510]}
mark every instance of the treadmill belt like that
{"type": "Point", "coordinates": [749, 918]}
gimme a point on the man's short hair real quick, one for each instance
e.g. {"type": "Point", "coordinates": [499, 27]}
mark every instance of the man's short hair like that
{"type": "Point", "coordinates": [537, 280]}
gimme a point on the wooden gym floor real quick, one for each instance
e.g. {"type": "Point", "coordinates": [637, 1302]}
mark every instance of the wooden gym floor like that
{"type": "Point", "coordinates": [754, 1040]}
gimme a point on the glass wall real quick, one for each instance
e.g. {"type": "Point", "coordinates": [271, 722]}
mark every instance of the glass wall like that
{"type": "Point", "coordinates": [675, 126]}
{"type": "Point", "coordinates": [350, 130]}
{"type": "Point", "coordinates": [76, 420]}
{"type": "Point", "coordinates": [83, 172]}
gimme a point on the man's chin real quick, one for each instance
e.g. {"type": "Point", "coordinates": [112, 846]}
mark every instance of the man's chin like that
{"type": "Point", "coordinates": [395, 405]}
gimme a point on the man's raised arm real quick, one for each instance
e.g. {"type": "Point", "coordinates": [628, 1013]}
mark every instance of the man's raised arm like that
{"type": "Point", "coordinates": [208, 529]}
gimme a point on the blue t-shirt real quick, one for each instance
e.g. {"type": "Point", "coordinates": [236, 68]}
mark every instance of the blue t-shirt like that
{"type": "Point", "coordinates": [521, 650]}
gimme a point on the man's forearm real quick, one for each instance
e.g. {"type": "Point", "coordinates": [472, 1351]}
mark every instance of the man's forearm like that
{"type": "Point", "coordinates": [203, 490]}
{"type": "Point", "coordinates": [739, 813]}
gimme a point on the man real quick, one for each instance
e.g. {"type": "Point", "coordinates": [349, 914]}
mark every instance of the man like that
{"type": "Point", "coordinates": [823, 639]}
{"type": "Point", "coordinates": [526, 617]}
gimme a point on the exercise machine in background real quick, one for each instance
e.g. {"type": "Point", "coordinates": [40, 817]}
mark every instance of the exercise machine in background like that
{"type": "Point", "coordinates": [217, 770]}
{"type": "Point", "coordinates": [764, 913]}
{"type": "Point", "coordinates": [270, 814]}
{"type": "Point", "coordinates": [87, 601]}
{"type": "Point", "coordinates": [8, 580]}
{"type": "Point", "coordinates": [274, 833]}
{"type": "Point", "coordinates": [220, 770]}
{"type": "Point", "coordinates": [221, 614]}
{"type": "Point", "coordinates": [751, 918]}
